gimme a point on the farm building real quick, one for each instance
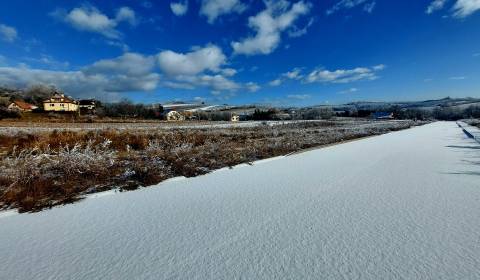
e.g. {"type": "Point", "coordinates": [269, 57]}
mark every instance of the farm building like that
{"type": "Point", "coordinates": [86, 106]}
{"type": "Point", "coordinates": [60, 103]}
{"type": "Point", "coordinates": [175, 116]}
{"type": "Point", "coordinates": [21, 106]}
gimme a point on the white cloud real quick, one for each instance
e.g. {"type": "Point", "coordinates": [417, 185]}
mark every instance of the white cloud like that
{"type": "Point", "coordinates": [216, 83]}
{"type": "Point", "coordinates": [199, 99]}
{"type": "Point", "coordinates": [179, 8]}
{"type": "Point", "coordinates": [209, 58]}
{"type": "Point", "coordinates": [49, 61]}
{"type": "Point", "coordinates": [126, 14]}
{"type": "Point", "coordinates": [276, 82]}
{"type": "Point", "coordinates": [476, 55]}
{"type": "Point", "coordinates": [104, 78]}
{"type": "Point", "coordinates": [379, 67]}
{"type": "Point", "coordinates": [129, 64]}
{"type": "Point", "coordinates": [369, 7]}
{"type": "Point", "coordinates": [8, 33]}
{"type": "Point", "coordinates": [229, 72]}
{"type": "Point", "coordinates": [298, 32]}
{"type": "Point", "coordinates": [72, 82]}
{"type": "Point", "coordinates": [212, 9]}
{"type": "Point", "coordinates": [459, 78]}
{"type": "Point", "coordinates": [294, 74]}
{"type": "Point", "coordinates": [349, 4]}
{"type": "Point", "coordinates": [344, 76]}
{"type": "Point", "coordinates": [299, 96]}
{"type": "Point", "coordinates": [464, 8]}
{"type": "Point", "coordinates": [130, 72]}
{"type": "Point", "coordinates": [435, 5]}
{"type": "Point", "coordinates": [90, 19]}
{"type": "Point", "coordinates": [268, 25]}
{"type": "Point", "coordinates": [350, 90]}
{"type": "Point", "coordinates": [199, 67]}
{"type": "Point", "coordinates": [252, 87]}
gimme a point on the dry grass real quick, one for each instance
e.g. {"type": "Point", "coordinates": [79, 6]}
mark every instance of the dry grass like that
{"type": "Point", "coordinates": [45, 169]}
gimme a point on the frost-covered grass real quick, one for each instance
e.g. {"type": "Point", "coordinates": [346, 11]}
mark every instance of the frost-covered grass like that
{"type": "Point", "coordinates": [42, 169]}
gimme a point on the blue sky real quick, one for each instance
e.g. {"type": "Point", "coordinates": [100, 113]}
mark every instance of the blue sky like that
{"type": "Point", "coordinates": [244, 51]}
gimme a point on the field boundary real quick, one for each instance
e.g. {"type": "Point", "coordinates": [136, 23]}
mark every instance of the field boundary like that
{"type": "Point", "coordinates": [470, 131]}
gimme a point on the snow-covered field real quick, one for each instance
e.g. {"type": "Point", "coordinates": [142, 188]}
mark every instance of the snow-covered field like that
{"type": "Point", "coordinates": [404, 205]}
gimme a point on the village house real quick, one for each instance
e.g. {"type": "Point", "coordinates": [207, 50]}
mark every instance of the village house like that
{"type": "Point", "coordinates": [175, 116]}
{"type": "Point", "coordinates": [60, 103]}
{"type": "Point", "coordinates": [21, 106]}
{"type": "Point", "coordinates": [87, 106]}
{"type": "Point", "coordinates": [239, 117]}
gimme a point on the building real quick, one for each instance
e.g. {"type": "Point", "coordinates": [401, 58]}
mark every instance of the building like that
{"type": "Point", "coordinates": [175, 116]}
{"type": "Point", "coordinates": [60, 103]}
{"type": "Point", "coordinates": [87, 106]}
{"type": "Point", "coordinates": [21, 106]}
{"type": "Point", "coordinates": [282, 116]}
{"type": "Point", "coordinates": [239, 117]}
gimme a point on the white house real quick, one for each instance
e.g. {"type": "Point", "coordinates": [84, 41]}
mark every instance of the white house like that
{"type": "Point", "coordinates": [175, 116]}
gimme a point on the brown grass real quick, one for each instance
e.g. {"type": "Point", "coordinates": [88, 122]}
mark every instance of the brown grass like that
{"type": "Point", "coordinates": [46, 169]}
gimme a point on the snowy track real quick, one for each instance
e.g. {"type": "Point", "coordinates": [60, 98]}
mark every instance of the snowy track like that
{"type": "Point", "coordinates": [405, 205]}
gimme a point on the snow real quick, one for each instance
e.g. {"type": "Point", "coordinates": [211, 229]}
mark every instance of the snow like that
{"type": "Point", "coordinates": [404, 205]}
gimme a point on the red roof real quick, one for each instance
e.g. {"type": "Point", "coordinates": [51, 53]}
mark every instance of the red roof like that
{"type": "Point", "coordinates": [24, 105]}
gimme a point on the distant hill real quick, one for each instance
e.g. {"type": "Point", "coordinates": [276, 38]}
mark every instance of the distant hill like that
{"type": "Point", "coordinates": [426, 105]}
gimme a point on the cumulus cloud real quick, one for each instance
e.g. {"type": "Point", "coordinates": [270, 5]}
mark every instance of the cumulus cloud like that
{"type": "Point", "coordinates": [464, 8]}
{"type": "Point", "coordinates": [350, 90]}
{"type": "Point", "coordinates": [8, 33]}
{"type": "Point", "coordinates": [201, 67]}
{"type": "Point", "coordinates": [210, 58]}
{"type": "Point", "coordinates": [294, 74]}
{"type": "Point", "coordinates": [213, 9]}
{"type": "Point", "coordinates": [349, 4]}
{"type": "Point", "coordinates": [275, 83]}
{"type": "Point", "coordinates": [73, 82]}
{"type": "Point", "coordinates": [90, 19]}
{"type": "Point", "coordinates": [130, 72]}
{"type": "Point", "coordinates": [130, 64]}
{"type": "Point", "coordinates": [103, 79]}
{"type": "Point", "coordinates": [252, 87]}
{"type": "Point", "coordinates": [344, 76]}
{"type": "Point", "coordinates": [435, 5]}
{"type": "Point", "coordinates": [229, 72]}
{"type": "Point", "coordinates": [126, 14]}
{"type": "Point", "coordinates": [179, 8]}
{"type": "Point", "coordinates": [461, 9]}
{"type": "Point", "coordinates": [299, 96]}
{"type": "Point", "coordinates": [269, 25]}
